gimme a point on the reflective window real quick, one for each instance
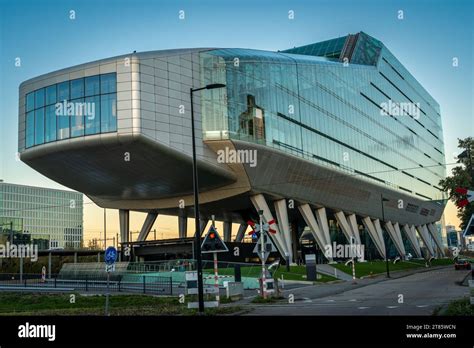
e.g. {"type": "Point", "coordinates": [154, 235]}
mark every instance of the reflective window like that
{"type": "Point", "coordinates": [108, 113]}
{"type": "Point", "coordinates": [77, 119]}
{"type": "Point", "coordinates": [108, 83]}
{"type": "Point", "coordinates": [61, 111]}
{"type": "Point", "coordinates": [315, 108]}
{"type": "Point", "coordinates": [30, 129]}
{"type": "Point", "coordinates": [92, 85]}
{"type": "Point", "coordinates": [50, 124]}
{"type": "Point", "coordinates": [30, 101]}
{"type": "Point", "coordinates": [77, 88]}
{"type": "Point", "coordinates": [39, 98]}
{"type": "Point", "coordinates": [92, 118]}
{"type": "Point", "coordinates": [39, 126]}
{"type": "Point", "coordinates": [63, 125]}
{"type": "Point", "coordinates": [51, 95]}
{"type": "Point", "coordinates": [63, 91]}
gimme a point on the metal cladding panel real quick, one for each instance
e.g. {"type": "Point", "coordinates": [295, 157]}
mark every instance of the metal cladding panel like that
{"type": "Point", "coordinates": [113, 167]}
{"type": "Point", "coordinates": [288, 176]}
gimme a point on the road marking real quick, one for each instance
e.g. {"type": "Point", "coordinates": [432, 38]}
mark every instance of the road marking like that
{"type": "Point", "coordinates": [353, 300]}
{"type": "Point", "coordinates": [329, 300]}
{"type": "Point", "coordinates": [363, 307]}
{"type": "Point", "coordinates": [307, 300]}
{"type": "Point", "coordinates": [392, 306]}
{"type": "Point", "coordinates": [422, 306]}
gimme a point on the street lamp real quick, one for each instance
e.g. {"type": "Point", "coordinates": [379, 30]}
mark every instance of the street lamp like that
{"type": "Point", "coordinates": [383, 220]}
{"type": "Point", "coordinates": [197, 235]}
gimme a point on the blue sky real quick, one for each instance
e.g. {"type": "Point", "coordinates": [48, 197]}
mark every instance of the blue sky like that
{"type": "Point", "coordinates": [46, 39]}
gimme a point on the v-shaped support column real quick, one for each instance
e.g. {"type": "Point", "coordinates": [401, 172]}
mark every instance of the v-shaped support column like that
{"type": "Point", "coordinates": [260, 203]}
{"type": "Point", "coordinates": [314, 227]}
{"type": "Point", "coordinates": [425, 237]}
{"type": "Point", "coordinates": [411, 234]}
{"type": "Point", "coordinates": [437, 240]}
{"type": "Point", "coordinates": [397, 238]}
{"type": "Point", "coordinates": [370, 227]}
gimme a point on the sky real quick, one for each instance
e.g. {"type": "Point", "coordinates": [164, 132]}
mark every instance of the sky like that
{"type": "Point", "coordinates": [45, 38]}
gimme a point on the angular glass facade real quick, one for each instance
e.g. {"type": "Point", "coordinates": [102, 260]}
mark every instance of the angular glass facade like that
{"type": "Point", "coordinates": [371, 119]}
{"type": "Point", "coordinates": [50, 218]}
{"type": "Point", "coordinates": [69, 109]}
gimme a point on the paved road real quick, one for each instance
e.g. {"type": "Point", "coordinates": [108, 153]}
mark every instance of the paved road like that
{"type": "Point", "coordinates": [422, 293]}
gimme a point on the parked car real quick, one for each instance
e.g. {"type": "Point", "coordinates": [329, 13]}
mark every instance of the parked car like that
{"type": "Point", "coordinates": [462, 264]}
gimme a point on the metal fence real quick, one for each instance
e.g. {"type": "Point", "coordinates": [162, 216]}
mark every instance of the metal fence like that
{"type": "Point", "coordinates": [132, 284]}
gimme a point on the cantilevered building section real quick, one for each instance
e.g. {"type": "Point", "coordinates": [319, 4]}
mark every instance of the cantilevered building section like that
{"type": "Point", "coordinates": [336, 126]}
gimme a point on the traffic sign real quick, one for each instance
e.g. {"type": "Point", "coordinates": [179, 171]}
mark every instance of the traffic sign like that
{"type": "Point", "coordinates": [268, 248]}
{"type": "Point", "coordinates": [266, 227]}
{"type": "Point", "coordinates": [110, 268]}
{"type": "Point", "coordinates": [213, 243]}
{"type": "Point", "coordinates": [110, 255]}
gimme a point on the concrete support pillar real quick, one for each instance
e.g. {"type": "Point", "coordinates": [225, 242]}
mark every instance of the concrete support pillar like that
{"type": "Point", "coordinates": [374, 235]}
{"type": "Point", "coordinates": [378, 228]}
{"type": "Point", "coordinates": [323, 224]}
{"type": "Point", "coordinates": [75, 257]}
{"type": "Point", "coordinates": [147, 225]}
{"type": "Point", "coordinates": [397, 238]}
{"type": "Point", "coordinates": [124, 218]}
{"type": "Point", "coordinates": [182, 223]}
{"type": "Point", "coordinates": [411, 235]}
{"type": "Point", "coordinates": [241, 232]}
{"type": "Point", "coordinates": [310, 220]}
{"type": "Point", "coordinates": [425, 237]}
{"type": "Point", "coordinates": [260, 203]}
{"type": "Point", "coordinates": [227, 230]}
{"type": "Point", "coordinates": [354, 227]}
{"type": "Point", "coordinates": [203, 222]}
{"type": "Point", "coordinates": [437, 240]}
{"type": "Point", "coordinates": [342, 222]}
{"type": "Point", "coordinates": [282, 218]}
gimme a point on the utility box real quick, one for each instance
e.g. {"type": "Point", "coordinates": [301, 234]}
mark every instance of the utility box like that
{"type": "Point", "coordinates": [311, 274]}
{"type": "Point", "coordinates": [234, 290]}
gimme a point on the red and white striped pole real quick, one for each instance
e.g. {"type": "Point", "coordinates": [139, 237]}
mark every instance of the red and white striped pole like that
{"type": "Point", "coordinates": [216, 272]}
{"type": "Point", "coordinates": [262, 250]}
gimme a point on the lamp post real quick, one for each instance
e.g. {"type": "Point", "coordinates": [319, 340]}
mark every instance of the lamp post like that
{"type": "Point", "coordinates": [197, 236]}
{"type": "Point", "coordinates": [385, 244]}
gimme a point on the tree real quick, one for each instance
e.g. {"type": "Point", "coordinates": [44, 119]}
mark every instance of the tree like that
{"type": "Point", "coordinates": [462, 176]}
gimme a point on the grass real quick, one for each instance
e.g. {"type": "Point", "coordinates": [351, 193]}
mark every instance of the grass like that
{"type": "Point", "coordinates": [261, 300]}
{"type": "Point", "coordinates": [364, 269]}
{"type": "Point", "coordinates": [460, 307]}
{"type": "Point", "coordinates": [59, 304]}
{"type": "Point", "coordinates": [295, 273]}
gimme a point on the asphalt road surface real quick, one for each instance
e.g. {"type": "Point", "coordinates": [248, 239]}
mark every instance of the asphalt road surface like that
{"type": "Point", "coordinates": [416, 294]}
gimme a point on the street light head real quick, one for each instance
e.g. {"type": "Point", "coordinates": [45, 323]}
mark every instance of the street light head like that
{"type": "Point", "coordinates": [215, 85]}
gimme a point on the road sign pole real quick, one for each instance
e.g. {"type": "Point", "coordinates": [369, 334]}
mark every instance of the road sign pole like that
{"type": "Point", "coordinates": [262, 249]}
{"type": "Point", "coordinates": [216, 271]}
{"type": "Point", "coordinates": [107, 296]}
{"type": "Point", "coordinates": [353, 264]}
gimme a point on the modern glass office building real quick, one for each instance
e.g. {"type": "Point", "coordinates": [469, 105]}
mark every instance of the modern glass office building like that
{"type": "Point", "coordinates": [340, 128]}
{"type": "Point", "coordinates": [306, 102]}
{"type": "Point", "coordinates": [47, 217]}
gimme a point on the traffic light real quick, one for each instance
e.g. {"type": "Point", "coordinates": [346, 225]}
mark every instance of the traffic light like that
{"type": "Point", "coordinates": [213, 242]}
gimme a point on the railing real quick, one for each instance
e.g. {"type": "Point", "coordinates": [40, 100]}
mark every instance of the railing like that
{"type": "Point", "coordinates": [130, 284]}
